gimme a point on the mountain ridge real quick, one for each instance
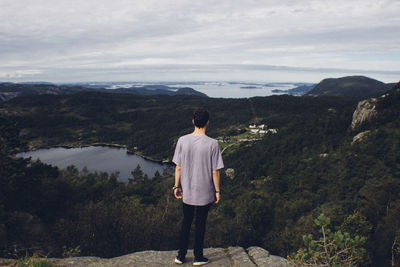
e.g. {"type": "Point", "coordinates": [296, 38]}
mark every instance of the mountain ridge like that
{"type": "Point", "coordinates": [12, 90]}
{"type": "Point", "coordinates": [351, 86]}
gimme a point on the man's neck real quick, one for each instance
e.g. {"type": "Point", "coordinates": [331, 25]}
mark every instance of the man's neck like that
{"type": "Point", "coordinates": [199, 131]}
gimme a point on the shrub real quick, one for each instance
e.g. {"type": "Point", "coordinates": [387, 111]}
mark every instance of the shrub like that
{"type": "Point", "coordinates": [331, 249]}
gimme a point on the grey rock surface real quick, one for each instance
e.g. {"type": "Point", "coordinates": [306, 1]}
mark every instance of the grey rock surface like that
{"type": "Point", "coordinates": [276, 261]}
{"type": "Point", "coordinates": [79, 261]}
{"type": "Point", "coordinates": [360, 136]}
{"type": "Point", "coordinates": [263, 258]}
{"type": "Point", "coordinates": [239, 257]}
{"type": "Point", "coordinates": [218, 257]}
{"type": "Point", "coordinates": [365, 112]}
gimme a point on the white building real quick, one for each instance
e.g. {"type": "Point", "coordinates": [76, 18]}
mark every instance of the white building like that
{"type": "Point", "coordinates": [254, 131]}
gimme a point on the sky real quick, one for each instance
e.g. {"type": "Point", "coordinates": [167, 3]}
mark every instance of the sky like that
{"type": "Point", "coordinates": [206, 40]}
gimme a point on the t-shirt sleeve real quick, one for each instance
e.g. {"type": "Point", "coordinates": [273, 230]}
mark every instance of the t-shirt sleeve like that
{"type": "Point", "coordinates": [216, 160]}
{"type": "Point", "coordinates": [177, 155]}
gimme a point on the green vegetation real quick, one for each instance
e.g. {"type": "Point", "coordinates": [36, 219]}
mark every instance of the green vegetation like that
{"type": "Point", "coordinates": [71, 252]}
{"type": "Point", "coordinates": [281, 182]}
{"type": "Point", "coordinates": [28, 261]}
{"type": "Point", "coordinates": [331, 249]}
{"type": "Point", "coordinates": [152, 125]}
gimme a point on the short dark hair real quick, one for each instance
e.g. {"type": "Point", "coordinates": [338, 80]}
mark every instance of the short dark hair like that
{"type": "Point", "coordinates": [200, 117]}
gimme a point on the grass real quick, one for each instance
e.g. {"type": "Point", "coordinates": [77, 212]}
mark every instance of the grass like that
{"type": "Point", "coordinates": [33, 262]}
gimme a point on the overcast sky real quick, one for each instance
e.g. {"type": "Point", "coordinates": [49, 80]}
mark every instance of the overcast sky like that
{"type": "Point", "coordinates": [182, 40]}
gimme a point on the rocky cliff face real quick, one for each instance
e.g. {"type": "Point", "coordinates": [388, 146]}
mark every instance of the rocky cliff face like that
{"type": "Point", "coordinates": [229, 257]}
{"type": "Point", "coordinates": [379, 110]}
{"type": "Point", "coordinates": [365, 112]}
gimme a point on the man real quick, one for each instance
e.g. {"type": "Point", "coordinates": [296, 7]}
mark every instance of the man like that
{"type": "Point", "coordinates": [197, 182]}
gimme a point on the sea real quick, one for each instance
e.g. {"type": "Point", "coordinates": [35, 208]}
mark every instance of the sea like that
{"type": "Point", "coordinates": [212, 89]}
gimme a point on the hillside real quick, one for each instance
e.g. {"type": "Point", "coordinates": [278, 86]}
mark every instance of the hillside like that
{"type": "Point", "coordinates": [353, 86]}
{"type": "Point", "coordinates": [145, 122]}
{"type": "Point", "coordinates": [159, 90]}
{"type": "Point", "coordinates": [300, 90]}
{"type": "Point", "coordinates": [275, 188]}
{"type": "Point", "coordinates": [11, 90]}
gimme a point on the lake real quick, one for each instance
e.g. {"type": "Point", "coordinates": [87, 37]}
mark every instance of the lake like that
{"type": "Point", "coordinates": [96, 158]}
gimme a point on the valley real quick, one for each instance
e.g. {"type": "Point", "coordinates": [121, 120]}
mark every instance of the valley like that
{"type": "Point", "coordinates": [273, 187]}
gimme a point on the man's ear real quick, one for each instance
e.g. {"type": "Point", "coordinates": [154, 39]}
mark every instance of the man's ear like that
{"type": "Point", "coordinates": [193, 121]}
{"type": "Point", "coordinates": [208, 122]}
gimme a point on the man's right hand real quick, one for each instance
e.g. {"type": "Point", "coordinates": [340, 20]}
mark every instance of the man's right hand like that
{"type": "Point", "coordinates": [217, 197]}
{"type": "Point", "coordinates": [178, 193]}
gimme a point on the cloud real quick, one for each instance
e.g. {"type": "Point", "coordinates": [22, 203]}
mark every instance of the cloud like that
{"type": "Point", "coordinates": [18, 74]}
{"type": "Point", "coordinates": [121, 34]}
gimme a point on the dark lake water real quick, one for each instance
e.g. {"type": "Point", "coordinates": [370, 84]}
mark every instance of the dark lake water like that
{"type": "Point", "coordinates": [96, 158]}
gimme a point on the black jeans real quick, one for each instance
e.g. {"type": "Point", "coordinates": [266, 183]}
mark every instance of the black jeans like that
{"type": "Point", "coordinates": [200, 228]}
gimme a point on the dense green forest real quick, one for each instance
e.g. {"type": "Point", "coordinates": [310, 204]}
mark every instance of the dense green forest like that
{"type": "Point", "coordinates": [280, 183]}
{"type": "Point", "coordinates": [152, 124]}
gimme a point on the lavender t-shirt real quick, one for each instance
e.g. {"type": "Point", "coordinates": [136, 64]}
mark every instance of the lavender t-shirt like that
{"type": "Point", "coordinates": [198, 156]}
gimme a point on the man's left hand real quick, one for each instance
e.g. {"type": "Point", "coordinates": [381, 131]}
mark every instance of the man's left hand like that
{"type": "Point", "coordinates": [218, 197]}
{"type": "Point", "coordinates": [178, 193]}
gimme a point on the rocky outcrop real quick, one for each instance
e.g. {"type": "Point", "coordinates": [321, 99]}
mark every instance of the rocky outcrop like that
{"type": "Point", "coordinates": [229, 257]}
{"type": "Point", "coordinates": [5, 96]}
{"type": "Point", "coordinates": [365, 112]}
{"type": "Point", "coordinates": [230, 173]}
{"type": "Point", "coordinates": [262, 258]}
{"type": "Point", "coordinates": [360, 136]}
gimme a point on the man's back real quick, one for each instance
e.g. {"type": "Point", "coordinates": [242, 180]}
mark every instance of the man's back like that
{"type": "Point", "coordinates": [198, 156]}
{"type": "Point", "coordinates": [198, 160]}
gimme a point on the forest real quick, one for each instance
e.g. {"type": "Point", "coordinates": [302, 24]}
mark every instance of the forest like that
{"type": "Point", "coordinates": [280, 184]}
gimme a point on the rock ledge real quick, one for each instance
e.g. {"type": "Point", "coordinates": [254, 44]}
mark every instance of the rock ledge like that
{"type": "Point", "coordinates": [228, 257]}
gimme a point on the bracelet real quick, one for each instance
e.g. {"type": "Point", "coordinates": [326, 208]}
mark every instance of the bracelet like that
{"type": "Point", "coordinates": [217, 192]}
{"type": "Point", "coordinates": [175, 187]}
